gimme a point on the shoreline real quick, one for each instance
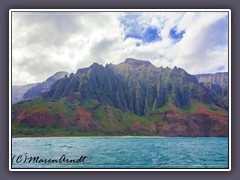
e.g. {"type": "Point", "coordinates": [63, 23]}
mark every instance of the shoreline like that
{"type": "Point", "coordinates": [90, 137]}
{"type": "Point", "coordinates": [118, 137]}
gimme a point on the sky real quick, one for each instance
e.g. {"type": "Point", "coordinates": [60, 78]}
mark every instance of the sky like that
{"type": "Point", "coordinates": [44, 43]}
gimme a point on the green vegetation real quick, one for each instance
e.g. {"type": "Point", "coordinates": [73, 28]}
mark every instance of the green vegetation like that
{"type": "Point", "coordinates": [22, 130]}
{"type": "Point", "coordinates": [54, 131]}
{"type": "Point", "coordinates": [38, 107]}
{"type": "Point", "coordinates": [192, 109]}
{"type": "Point", "coordinates": [130, 98]}
{"type": "Point", "coordinates": [54, 107]}
{"type": "Point", "coordinates": [89, 104]}
{"type": "Point", "coordinates": [58, 107]}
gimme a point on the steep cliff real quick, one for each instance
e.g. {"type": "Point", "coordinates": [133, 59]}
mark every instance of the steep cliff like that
{"type": "Point", "coordinates": [131, 97]}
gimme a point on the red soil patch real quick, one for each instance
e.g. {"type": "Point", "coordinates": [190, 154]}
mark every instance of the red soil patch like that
{"type": "Point", "coordinates": [39, 118]}
{"type": "Point", "coordinates": [83, 120]}
{"type": "Point", "coordinates": [202, 110]}
{"type": "Point", "coordinates": [61, 119]}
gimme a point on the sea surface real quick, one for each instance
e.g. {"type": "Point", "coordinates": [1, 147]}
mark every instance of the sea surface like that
{"type": "Point", "coordinates": [120, 152]}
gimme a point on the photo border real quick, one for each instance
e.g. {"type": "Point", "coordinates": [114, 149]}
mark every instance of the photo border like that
{"type": "Point", "coordinates": [119, 10]}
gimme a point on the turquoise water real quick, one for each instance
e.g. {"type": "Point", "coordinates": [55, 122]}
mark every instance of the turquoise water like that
{"type": "Point", "coordinates": [200, 152]}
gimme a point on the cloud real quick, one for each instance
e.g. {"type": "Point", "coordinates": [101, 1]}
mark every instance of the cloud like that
{"type": "Point", "coordinates": [134, 28]}
{"type": "Point", "coordinates": [46, 42]}
{"type": "Point", "coordinates": [42, 29]}
{"type": "Point", "coordinates": [204, 46]}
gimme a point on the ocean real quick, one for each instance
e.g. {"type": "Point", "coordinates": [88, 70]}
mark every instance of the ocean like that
{"type": "Point", "coordinates": [120, 152]}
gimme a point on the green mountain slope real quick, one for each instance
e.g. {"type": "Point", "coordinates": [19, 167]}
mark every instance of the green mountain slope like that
{"type": "Point", "coordinates": [131, 98]}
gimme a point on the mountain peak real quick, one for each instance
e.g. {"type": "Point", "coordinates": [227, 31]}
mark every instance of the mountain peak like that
{"type": "Point", "coordinates": [96, 65]}
{"type": "Point", "coordinates": [133, 62]}
{"type": "Point", "coordinates": [177, 69]}
{"type": "Point", "coordinates": [60, 73]}
{"type": "Point", "coordinates": [57, 75]}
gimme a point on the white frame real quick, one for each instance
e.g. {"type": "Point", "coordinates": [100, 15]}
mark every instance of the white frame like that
{"type": "Point", "coordinates": [118, 10]}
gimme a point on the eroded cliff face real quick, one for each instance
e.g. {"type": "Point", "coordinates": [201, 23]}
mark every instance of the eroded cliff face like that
{"type": "Point", "coordinates": [220, 78]}
{"type": "Point", "coordinates": [128, 98]}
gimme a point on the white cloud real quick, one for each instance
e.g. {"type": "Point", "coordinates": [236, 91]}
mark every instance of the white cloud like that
{"type": "Point", "coordinates": [44, 43]}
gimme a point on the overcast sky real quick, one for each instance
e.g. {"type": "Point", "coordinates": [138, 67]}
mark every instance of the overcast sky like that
{"type": "Point", "coordinates": [46, 42]}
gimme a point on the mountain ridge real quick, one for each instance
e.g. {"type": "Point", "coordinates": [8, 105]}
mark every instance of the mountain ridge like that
{"type": "Point", "coordinates": [30, 91]}
{"type": "Point", "coordinates": [19, 90]}
{"type": "Point", "coordinates": [220, 78]}
{"type": "Point", "coordinates": [131, 97]}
